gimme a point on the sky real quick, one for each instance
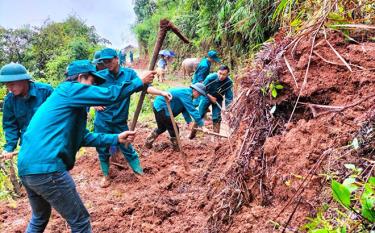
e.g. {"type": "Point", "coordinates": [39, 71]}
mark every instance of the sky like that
{"type": "Point", "coordinates": [111, 18]}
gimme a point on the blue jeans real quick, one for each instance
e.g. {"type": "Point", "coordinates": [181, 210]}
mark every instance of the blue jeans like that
{"type": "Point", "coordinates": [58, 190]}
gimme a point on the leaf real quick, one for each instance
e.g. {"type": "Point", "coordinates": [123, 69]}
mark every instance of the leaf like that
{"type": "Point", "coordinates": [320, 231]}
{"type": "Point", "coordinates": [371, 181]}
{"type": "Point", "coordinates": [349, 184]}
{"type": "Point", "coordinates": [342, 229]}
{"type": "Point", "coordinates": [355, 143]}
{"type": "Point", "coordinates": [274, 93]}
{"type": "Point", "coordinates": [273, 109]}
{"type": "Point", "coordinates": [340, 193]}
{"type": "Point", "coordinates": [368, 210]}
{"type": "Point", "coordinates": [349, 166]}
{"type": "Point", "coordinates": [296, 22]}
{"type": "Point", "coordinates": [368, 202]}
{"type": "Point", "coordinates": [279, 86]}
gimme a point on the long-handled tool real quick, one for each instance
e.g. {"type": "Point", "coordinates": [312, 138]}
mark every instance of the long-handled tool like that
{"type": "Point", "coordinates": [211, 133]}
{"type": "Point", "coordinates": [165, 26]}
{"type": "Point", "coordinates": [182, 153]}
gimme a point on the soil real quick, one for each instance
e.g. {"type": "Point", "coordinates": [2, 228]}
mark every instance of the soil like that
{"type": "Point", "coordinates": [296, 148]}
{"type": "Point", "coordinates": [165, 199]}
{"type": "Point", "coordinates": [169, 199]}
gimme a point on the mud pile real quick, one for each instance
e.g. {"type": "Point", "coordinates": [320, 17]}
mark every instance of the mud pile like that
{"type": "Point", "coordinates": [270, 166]}
{"type": "Point", "coordinates": [165, 199]}
{"type": "Point", "coordinates": [284, 153]}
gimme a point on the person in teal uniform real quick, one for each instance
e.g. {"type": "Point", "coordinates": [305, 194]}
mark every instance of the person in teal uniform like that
{"type": "Point", "coordinates": [53, 137]}
{"type": "Point", "coordinates": [99, 65]}
{"type": "Point", "coordinates": [113, 118]}
{"type": "Point", "coordinates": [203, 69]}
{"type": "Point", "coordinates": [20, 104]}
{"type": "Point", "coordinates": [182, 102]}
{"type": "Point", "coordinates": [122, 57]}
{"type": "Point", "coordinates": [218, 85]}
{"type": "Point", "coordinates": [131, 56]}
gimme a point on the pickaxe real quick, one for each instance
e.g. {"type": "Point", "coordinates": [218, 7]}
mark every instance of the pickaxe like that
{"type": "Point", "coordinates": [165, 26]}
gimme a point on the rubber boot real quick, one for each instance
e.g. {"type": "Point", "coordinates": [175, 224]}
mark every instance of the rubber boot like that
{"type": "Point", "coordinates": [135, 164]}
{"type": "Point", "coordinates": [174, 144]}
{"type": "Point", "coordinates": [150, 139]}
{"type": "Point", "coordinates": [216, 127]}
{"type": "Point", "coordinates": [193, 132]}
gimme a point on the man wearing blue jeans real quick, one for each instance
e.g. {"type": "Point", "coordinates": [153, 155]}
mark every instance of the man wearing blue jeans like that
{"type": "Point", "coordinates": [56, 133]}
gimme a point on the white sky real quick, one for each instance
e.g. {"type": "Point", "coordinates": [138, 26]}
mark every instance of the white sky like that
{"type": "Point", "coordinates": [111, 18]}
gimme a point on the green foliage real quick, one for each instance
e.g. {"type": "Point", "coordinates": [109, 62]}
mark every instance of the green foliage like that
{"type": "Point", "coordinates": [295, 14]}
{"type": "Point", "coordinates": [341, 193]}
{"type": "Point", "coordinates": [272, 89]}
{"type": "Point", "coordinates": [46, 51]}
{"type": "Point", "coordinates": [235, 29]}
{"type": "Point", "coordinates": [357, 198]}
{"type": "Point", "coordinates": [368, 200]}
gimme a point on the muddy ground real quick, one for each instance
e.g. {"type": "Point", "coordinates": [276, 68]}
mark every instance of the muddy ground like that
{"type": "Point", "coordinates": [165, 199]}
{"type": "Point", "coordinates": [169, 199]}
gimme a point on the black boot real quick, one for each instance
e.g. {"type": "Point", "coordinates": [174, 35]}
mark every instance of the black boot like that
{"type": "Point", "coordinates": [150, 139]}
{"type": "Point", "coordinates": [216, 127]}
{"type": "Point", "coordinates": [193, 132]}
{"type": "Point", "coordinates": [175, 144]}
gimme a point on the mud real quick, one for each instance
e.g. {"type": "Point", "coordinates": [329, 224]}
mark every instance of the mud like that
{"type": "Point", "coordinates": [169, 199]}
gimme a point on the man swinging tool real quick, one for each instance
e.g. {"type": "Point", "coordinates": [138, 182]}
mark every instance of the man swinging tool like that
{"type": "Point", "coordinates": [218, 86]}
{"type": "Point", "coordinates": [56, 133]}
{"type": "Point", "coordinates": [182, 102]}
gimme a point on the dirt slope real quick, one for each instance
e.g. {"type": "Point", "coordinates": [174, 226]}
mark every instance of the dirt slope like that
{"type": "Point", "coordinates": [244, 185]}
{"type": "Point", "coordinates": [165, 199]}
{"type": "Point", "coordinates": [310, 145]}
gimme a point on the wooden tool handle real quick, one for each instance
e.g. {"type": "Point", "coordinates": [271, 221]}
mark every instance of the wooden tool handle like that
{"type": "Point", "coordinates": [183, 156]}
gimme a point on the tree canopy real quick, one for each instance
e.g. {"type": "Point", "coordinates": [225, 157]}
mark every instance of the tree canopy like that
{"type": "Point", "coordinates": [46, 50]}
